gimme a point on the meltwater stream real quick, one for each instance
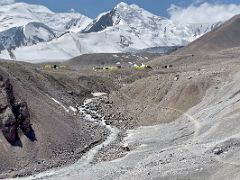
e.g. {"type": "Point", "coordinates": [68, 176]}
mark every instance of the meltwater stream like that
{"type": "Point", "coordinates": [85, 161]}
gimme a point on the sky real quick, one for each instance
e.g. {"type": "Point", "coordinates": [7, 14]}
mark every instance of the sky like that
{"type": "Point", "coordinates": [188, 11]}
{"type": "Point", "coordinates": [92, 8]}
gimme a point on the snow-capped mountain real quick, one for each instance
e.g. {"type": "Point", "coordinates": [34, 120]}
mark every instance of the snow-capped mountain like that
{"type": "Point", "coordinates": [199, 29]}
{"type": "Point", "coordinates": [34, 33]}
{"type": "Point", "coordinates": [23, 24]}
{"type": "Point", "coordinates": [20, 14]}
{"type": "Point", "coordinates": [31, 33]}
{"type": "Point", "coordinates": [139, 24]}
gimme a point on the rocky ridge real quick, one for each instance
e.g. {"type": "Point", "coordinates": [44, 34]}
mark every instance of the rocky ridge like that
{"type": "Point", "coordinates": [14, 114]}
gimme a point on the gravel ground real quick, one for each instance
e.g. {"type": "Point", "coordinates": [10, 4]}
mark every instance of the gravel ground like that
{"type": "Point", "coordinates": [176, 123]}
{"type": "Point", "coordinates": [202, 143]}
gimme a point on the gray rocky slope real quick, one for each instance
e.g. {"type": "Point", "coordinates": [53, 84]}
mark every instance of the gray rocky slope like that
{"type": "Point", "coordinates": [37, 131]}
{"type": "Point", "coordinates": [188, 126]}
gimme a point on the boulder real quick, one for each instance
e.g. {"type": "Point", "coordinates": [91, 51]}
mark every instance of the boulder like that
{"type": "Point", "coordinates": [13, 115]}
{"type": "Point", "coordinates": [23, 117]}
{"type": "Point", "coordinates": [9, 126]}
{"type": "Point", "coordinates": [217, 151]}
{"type": "Point", "coordinates": [125, 147]}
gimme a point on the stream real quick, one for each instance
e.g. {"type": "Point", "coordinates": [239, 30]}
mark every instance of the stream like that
{"type": "Point", "coordinates": [85, 161]}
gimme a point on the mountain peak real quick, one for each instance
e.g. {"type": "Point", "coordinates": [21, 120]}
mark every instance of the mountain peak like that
{"type": "Point", "coordinates": [122, 5]}
{"type": "Point", "coordinates": [124, 15]}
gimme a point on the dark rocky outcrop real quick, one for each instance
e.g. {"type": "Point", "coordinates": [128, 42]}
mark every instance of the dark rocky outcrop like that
{"type": "Point", "coordinates": [9, 125]}
{"type": "Point", "coordinates": [101, 24]}
{"type": "Point", "coordinates": [14, 114]}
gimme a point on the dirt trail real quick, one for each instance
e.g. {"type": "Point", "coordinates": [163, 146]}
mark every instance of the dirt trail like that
{"type": "Point", "coordinates": [190, 117]}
